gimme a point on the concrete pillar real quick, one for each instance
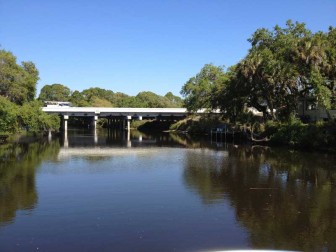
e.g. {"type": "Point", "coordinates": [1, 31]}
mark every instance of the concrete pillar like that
{"type": "Point", "coordinates": [65, 123]}
{"type": "Point", "coordinates": [140, 138]}
{"type": "Point", "coordinates": [140, 118]}
{"type": "Point", "coordinates": [94, 122]}
{"type": "Point", "coordinates": [129, 118]}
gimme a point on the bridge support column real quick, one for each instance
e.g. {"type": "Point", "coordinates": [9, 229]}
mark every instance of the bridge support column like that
{"type": "Point", "coordinates": [94, 122]}
{"type": "Point", "coordinates": [129, 123]}
{"type": "Point", "coordinates": [65, 123]}
{"type": "Point", "coordinates": [140, 118]}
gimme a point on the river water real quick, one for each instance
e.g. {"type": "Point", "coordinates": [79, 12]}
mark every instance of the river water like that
{"type": "Point", "coordinates": [109, 191]}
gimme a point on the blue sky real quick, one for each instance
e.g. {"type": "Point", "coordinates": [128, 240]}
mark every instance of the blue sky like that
{"type": "Point", "coordinates": [131, 46]}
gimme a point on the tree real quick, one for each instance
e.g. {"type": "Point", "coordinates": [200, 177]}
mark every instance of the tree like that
{"type": "Point", "coordinates": [17, 82]}
{"type": "Point", "coordinates": [77, 99]}
{"type": "Point", "coordinates": [283, 67]}
{"type": "Point", "coordinates": [55, 92]}
{"type": "Point", "coordinates": [175, 101]}
{"type": "Point", "coordinates": [199, 90]}
{"type": "Point", "coordinates": [8, 116]}
{"type": "Point", "coordinates": [100, 93]}
{"type": "Point", "coordinates": [100, 102]}
{"type": "Point", "coordinates": [151, 100]}
{"type": "Point", "coordinates": [35, 120]}
{"type": "Point", "coordinates": [32, 76]}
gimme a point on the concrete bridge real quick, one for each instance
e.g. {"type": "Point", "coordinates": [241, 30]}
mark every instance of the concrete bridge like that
{"type": "Point", "coordinates": [117, 115]}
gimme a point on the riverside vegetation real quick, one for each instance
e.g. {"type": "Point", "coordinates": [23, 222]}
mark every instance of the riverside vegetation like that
{"type": "Point", "coordinates": [283, 67]}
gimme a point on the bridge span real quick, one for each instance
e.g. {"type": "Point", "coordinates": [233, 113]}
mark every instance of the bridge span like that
{"type": "Point", "coordinates": [122, 115]}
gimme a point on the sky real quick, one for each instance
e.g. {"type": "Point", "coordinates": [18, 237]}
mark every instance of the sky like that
{"type": "Point", "coordinates": [131, 46]}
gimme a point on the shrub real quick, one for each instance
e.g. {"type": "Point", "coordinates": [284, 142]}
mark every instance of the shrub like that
{"type": "Point", "coordinates": [8, 116]}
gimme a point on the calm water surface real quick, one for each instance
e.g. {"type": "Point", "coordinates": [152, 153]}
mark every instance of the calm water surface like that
{"type": "Point", "coordinates": [114, 192]}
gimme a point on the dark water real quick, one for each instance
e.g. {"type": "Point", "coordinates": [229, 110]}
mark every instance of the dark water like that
{"type": "Point", "coordinates": [114, 192]}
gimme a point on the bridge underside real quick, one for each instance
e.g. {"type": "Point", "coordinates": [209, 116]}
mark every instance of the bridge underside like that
{"type": "Point", "coordinates": [118, 115]}
{"type": "Point", "coordinates": [117, 120]}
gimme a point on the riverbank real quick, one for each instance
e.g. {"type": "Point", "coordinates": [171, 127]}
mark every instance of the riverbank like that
{"type": "Point", "coordinates": [317, 136]}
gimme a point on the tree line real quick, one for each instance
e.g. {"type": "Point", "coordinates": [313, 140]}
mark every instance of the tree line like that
{"type": "Point", "coordinates": [99, 97]}
{"type": "Point", "coordinates": [283, 67]}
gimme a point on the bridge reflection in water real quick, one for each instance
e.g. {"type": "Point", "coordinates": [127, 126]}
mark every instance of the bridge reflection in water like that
{"type": "Point", "coordinates": [110, 142]}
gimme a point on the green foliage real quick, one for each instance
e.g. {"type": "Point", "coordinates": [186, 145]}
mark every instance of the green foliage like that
{"type": "Point", "coordinates": [77, 99]}
{"type": "Point", "coordinates": [290, 133]}
{"type": "Point", "coordinates": [197, 124]}
{"type": "Point", "coordinates": [35, 120]}
{"type": "Point", "coordinates": [100, 102]}
{"type": "Point", "coordinates": [8, 116]}
{"type": "Point", "coordinates": [200, 90]}
{"type": "Point", "coordinates": [17, 82]}
{"type": "Point", "coordinates": [283, 67]}
{"type": "Point", "coordinates": [321, 135]}
{"type": "Point", "coordinates": [98, 97]}
{"type": "Point", "coordinates": [55, 92]}
{"type": "Point", "coordinates": [175, 101]}
{"type": "Point", "coordinates": [135, 124]}
{"type": "Point", "coordinates": [151, 100]}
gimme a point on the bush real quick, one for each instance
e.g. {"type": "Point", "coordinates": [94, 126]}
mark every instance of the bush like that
{"type": "Point", "coordinates": [35, 120]}
{"type": "Point", "coordinates": [291, 134]}
{"type": "Point", "coordinates": [8, 116]}
{"type": "Point", "coordinates": [321, 135]}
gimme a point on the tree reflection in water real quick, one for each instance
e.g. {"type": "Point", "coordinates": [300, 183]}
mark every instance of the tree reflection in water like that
{"type": "Point", "coordinates": [17, 176]}
{"type": "Point", "coordinates": [285, 200]}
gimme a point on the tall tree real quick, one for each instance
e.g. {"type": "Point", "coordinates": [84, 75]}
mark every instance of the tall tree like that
{"type": "Point", "coordinates": [55, 92]}
{"type": "Point", "coordinates": [151, 100]}
{"type": "Point", "coordinates": [283, 67]}
{"type": "Point", "coordinates": [17, 82]}
{"type": "Point", "coordinates": [77, 99]}
{"type": "Point", "coordinates": [199, 90]}
{"type": "Point", "coordinates": [175, 101]}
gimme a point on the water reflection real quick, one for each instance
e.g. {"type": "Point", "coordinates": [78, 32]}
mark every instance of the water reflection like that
{"type": "Point", "coordinates": [17, 176]}
{"type": "Point", "coordinates": [286, 200]}
{"type": "Point", "coordinates": [282, 199]}
{"type": "Point", "coordinates": [133, 138]}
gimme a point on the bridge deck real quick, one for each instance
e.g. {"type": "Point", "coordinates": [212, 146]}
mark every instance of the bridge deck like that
{"type": "Point", "coordinates": [104, 112]}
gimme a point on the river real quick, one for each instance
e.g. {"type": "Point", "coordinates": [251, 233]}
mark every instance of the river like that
{"type": "Point", "coordinates": [109, 191]}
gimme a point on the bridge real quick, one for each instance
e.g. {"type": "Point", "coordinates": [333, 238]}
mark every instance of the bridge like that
{"type": "Point", "coordinates": [117, 115]}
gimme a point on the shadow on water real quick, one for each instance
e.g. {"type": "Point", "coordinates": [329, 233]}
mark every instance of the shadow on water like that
{"type": "Point", "coordinates": [286, 200]}
{"type": "Point", "coordinates": [19, 162]}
